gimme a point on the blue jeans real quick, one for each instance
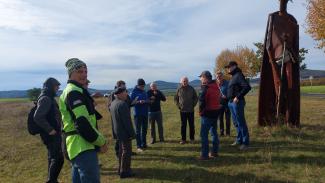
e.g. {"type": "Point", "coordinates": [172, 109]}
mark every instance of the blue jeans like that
{"type": "Point", "coordinates": [209, 124]}
{"type": "Point", "coordinates": [141, 126]}
{"type": "Point", "coordinates": [85, 168]}
{"type": "Point", "coordinates": [238, 117]}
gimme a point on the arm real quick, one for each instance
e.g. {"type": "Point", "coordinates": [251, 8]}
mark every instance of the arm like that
{"type": "Point", "coordinates": [77, 106]}
{"type": "Point", "coordinates": [43, 107]}
{"type": "Point", "coordinates": [245, 87]}
{"type": "Point", "coordinates": [202, 102]}
{"type": "Point", "coordinates": [176, 98]}
{"type": "Point", "coordinates": [195, 97]}
{"type": "Point", "coordinates": [124, 113]}
{"type": "Point", "coordinates": [162, 96]}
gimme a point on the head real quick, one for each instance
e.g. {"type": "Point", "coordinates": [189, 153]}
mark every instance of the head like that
{"type": "Point", "coordinates": [141, 83]}
{"type": "Point", "coordinates": [77, 70]}
{"type": "Point", "coordinates": [121, 93]}
{"type": "Point", "coordinates": [153, 86]}
{"type": "Point", "coordinates": [184, 81]}
{"type": "Point", "coordinates": [219, 76]}
{"type": "Point", "coordinates": [205, 77]}
{"type": "Point", "coordinates": [120, 83]}
{"type": "Point", "coordinates": [51, 85]}
{"type": "Point", "coordinates": [232, 65]}
{"type": "Point", "coordinates": [283, 5]}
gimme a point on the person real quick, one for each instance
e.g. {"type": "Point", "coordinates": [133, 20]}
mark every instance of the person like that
{"type": "Point", "coordinates": [186, 99]}
{"type": "Point", "coordinates": [123, 130]}
{"type": "Point", "coordinates": [82, 138]}
{"type": "Point", "coordinates": [209, 109]}
{"type": "Point", "coordinates": [140, 114]}
{"type": "Point", "coordinates": [47, 116]}
{"type": "Point", "coordinates": [155, 114]}
{"type": "Point", "coordinates": [238, 87]}
{"type": "Point", "coordinates": [224, 111]}
{"type": "Point", "coordinates": [111, 98]}
{"type": "Point", "coordinates": [279, 93]}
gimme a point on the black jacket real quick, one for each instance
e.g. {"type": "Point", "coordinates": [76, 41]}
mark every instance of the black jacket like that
{"type": "Point", "coordinates": [238, 86]}
{"type": "Point", "coordinates": [154, 105]}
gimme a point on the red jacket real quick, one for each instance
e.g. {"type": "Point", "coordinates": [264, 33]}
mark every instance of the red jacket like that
{"type": "Point", "coordinates": [210, 100]}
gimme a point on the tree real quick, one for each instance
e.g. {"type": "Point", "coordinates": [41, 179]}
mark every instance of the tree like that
{"type": "Point", "coordinates": [302, 52]}
{"type": "Point", "coordinates": [245, 57]}
{"type": "Point", "coordinates": [33, 93]}
{"type": "Point", "coordinates": [316, 21]}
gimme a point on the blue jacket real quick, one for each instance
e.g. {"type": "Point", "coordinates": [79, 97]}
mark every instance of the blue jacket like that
{"type": "Point", "coordinates": [224, 87]}
{"type": "Point", "coordinates": [140, 109]}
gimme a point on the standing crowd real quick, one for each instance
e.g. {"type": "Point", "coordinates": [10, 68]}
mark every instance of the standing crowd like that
{"type": "Point", "coordinates": [69, 128]}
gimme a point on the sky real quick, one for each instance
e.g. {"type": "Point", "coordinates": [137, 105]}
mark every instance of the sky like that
{"type": "Point", "coordinates": [131, 39]}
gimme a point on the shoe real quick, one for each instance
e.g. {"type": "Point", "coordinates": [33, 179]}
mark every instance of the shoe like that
{"type": "Point", "coordinates": [243, 147]}
{"type": "Point", "coordinates": [192, 141]}
{"type": "Point", "coordinates": [182, 142]}
{"type": "Point", "coordinates": [213, 155]}
{"type": "Point", "coordinates": [162, 140]}
{"type": "Point", "coordinates": [152, 142]}
{"type": "Point", "coordinates": [126, 175]}
{"type": "Point", "coordinates": [201, 158]}
{"type": "Point", "coordinates": [140, 150]}
{"type": "Point", "coordinates": [235, 143]}
{"type": "Point", "coordinates": [222, 134]}
{"type": "Point", "coordinates": [144, 146]}
{"type": "Point", "coordinates": [133, 153]}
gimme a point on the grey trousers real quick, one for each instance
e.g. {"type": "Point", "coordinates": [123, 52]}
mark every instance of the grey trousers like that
{"type": "Point", "coordinates": [153, 118]}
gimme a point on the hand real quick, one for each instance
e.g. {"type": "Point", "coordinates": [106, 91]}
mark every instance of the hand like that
{"type": "Point", "coordinates": [53, 132]}
{"type": "Point", "coordinates": [103, 149]}
{"type": "Point", "coordinates": [152, 97]}
{"type": "Point", "coordinates": [235, 100]}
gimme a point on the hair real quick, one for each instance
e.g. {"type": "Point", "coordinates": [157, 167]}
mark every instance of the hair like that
{"type": "Point", "coordinates": [120, 83]}
{"type": "Point", "coordinates": [183, 78]}
{"type": "Point", "coordinates": [153, 84]}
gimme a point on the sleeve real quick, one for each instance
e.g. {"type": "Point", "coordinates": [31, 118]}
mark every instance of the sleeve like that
{"type": "Point", "coordinates": [195, 98]}
{"type": "Point", "coordinates": [245, 87]}
{"type": "Point", "coordinates": [43, 107]}
{"type": "Point", "coordinates": [202, 102]}
{"type": "Point", "coordinates": [162, 96]}
{"type": "Point", "coordinates": [124, 113]}
{"type": "Point", "coordinates": [77, 106]}
{"type": "Point", "coordinates": [176, 98]}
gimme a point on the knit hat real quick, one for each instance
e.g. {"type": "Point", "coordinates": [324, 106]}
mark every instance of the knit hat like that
{"type": "Point", "coordinates": [141, 82]}
{"type": "Point", "coordinates": [74, 64]}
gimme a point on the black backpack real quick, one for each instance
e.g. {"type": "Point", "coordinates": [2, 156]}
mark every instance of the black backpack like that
{"type": "Point", "coordinates": [32, 127]}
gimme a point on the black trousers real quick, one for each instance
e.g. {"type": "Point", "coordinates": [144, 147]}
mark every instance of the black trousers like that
{"type": "Point", "coordinates": [224, 111]}
{"type": "Point", "coordinates": [187, 117]}
{"type": "Point", "coordinates": [55, 158]}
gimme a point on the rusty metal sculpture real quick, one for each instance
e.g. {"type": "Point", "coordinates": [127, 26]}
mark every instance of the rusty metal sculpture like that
{"type": "Point", "coordinates": [279, 94]}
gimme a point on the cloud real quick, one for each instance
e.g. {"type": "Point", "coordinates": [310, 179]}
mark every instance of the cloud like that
{"type": "Point", "coordinates": [156, 40]}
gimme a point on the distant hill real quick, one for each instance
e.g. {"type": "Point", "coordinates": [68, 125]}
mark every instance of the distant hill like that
{"type": "Point", "coordinates": [164, 85]}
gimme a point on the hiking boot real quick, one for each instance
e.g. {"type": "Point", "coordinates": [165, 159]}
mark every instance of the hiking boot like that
{"type": "Point", "coordinates": [202, 158]}
{"type": "Point", "coordinates": [126, 175]}
{"type": "Point", "coordinates": [182, 142]}
{"type": "Point", "coordinates": [213, 155]}
{"type": "Point", "coordinates": [140, 150]}
{"type": "Point", "coordinates": [243, 147]}
{"type": "Point", "coordinates": [235, 143]}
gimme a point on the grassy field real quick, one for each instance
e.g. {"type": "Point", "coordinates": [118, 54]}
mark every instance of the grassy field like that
{"type": "Point", "coordinates": [313, 89]}
{"type": "Point", "coordinates": [276, 155]}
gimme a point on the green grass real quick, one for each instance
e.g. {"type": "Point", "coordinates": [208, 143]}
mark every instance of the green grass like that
{"type": "Point", "coordinates": [276, 154]}
{"type": "Point", "coordinates": [313, 89]}
{"type": "Point", "coordinates": [14, 99]}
